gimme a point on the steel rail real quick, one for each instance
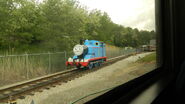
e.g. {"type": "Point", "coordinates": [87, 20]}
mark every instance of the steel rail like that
{"type": "Point", "coordinates": [46, 81]}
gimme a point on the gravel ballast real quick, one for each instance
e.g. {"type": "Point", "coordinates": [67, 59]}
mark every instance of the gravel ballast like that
{"type": "Point", "coordinates": [105, 78]}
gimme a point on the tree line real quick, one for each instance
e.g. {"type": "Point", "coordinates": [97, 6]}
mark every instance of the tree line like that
{"type": "Point", "coordinates": [57, 25]}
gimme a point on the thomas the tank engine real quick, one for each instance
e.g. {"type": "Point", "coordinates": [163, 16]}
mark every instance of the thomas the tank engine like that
{"type": "Point", "coordinates": [88, 54]}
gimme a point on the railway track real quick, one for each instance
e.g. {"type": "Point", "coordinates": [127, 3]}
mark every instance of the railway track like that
{"type": "Point", "coordinates": [19, 91]}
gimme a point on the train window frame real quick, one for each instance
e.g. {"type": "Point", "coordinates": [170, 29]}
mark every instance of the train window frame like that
{"type": "Point", "coordinates": [166, 60]}
{"type": "Point", "coordinates": [96, 43]}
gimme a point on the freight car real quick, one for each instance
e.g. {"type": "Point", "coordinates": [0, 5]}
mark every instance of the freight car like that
{"type": "Point", "coordinates": [88, 54]}
{"type": "Point", "coordinates": [148, 48]}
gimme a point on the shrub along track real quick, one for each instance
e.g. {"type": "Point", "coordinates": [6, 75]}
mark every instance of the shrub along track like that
{"type": "Point", "coordinates": [10, 94]}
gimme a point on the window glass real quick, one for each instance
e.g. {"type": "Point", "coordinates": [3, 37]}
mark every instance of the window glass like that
{"type": "Point", "coordinates": [42, 37]}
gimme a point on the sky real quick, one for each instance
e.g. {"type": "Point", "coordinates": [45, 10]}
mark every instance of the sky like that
{"type": "Point", "coordinates": [129, 13]}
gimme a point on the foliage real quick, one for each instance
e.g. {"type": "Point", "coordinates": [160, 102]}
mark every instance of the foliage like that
{"type": "Point", "coordinates": [56, 25]}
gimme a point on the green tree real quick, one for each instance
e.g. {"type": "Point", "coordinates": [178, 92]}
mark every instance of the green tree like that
{"type": "Point", "coordinates": [56, 25]}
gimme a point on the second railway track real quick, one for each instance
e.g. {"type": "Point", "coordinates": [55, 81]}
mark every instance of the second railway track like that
{"type": "Point", "coordinates": [28, 88]}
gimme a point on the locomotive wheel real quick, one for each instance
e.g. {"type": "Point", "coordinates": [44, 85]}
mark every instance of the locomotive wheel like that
{"type": "Point", "coordinates": [78, 67]}
{"type": "Point", "coordinates": [97, 64]}
{"type": "Point", "coordinates": [90, 66]}
{"type": "Point", "coordinates": [100, 62]}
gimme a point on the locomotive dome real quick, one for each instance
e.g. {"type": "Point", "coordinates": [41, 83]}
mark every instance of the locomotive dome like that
{"type": "Point", "coordinates": [79, 49]}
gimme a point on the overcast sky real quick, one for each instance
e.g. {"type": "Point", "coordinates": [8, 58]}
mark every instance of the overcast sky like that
{"type": "Point", "coordinates": [133, 13]}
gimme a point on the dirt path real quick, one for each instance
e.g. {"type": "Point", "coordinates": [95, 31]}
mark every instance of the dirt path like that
{"type": "Point", "coordinates": [109, 76]}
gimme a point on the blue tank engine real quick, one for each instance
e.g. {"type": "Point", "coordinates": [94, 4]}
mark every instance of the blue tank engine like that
{"type": "Point", "coordinates": [90, 53]}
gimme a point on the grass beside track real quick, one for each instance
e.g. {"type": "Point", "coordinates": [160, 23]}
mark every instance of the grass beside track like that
{"type": "Point", "coordinates": [148, 58]}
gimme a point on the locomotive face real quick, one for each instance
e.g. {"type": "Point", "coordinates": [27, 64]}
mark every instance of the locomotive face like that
{"type": "Point", "coordinates": [78, 49]}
